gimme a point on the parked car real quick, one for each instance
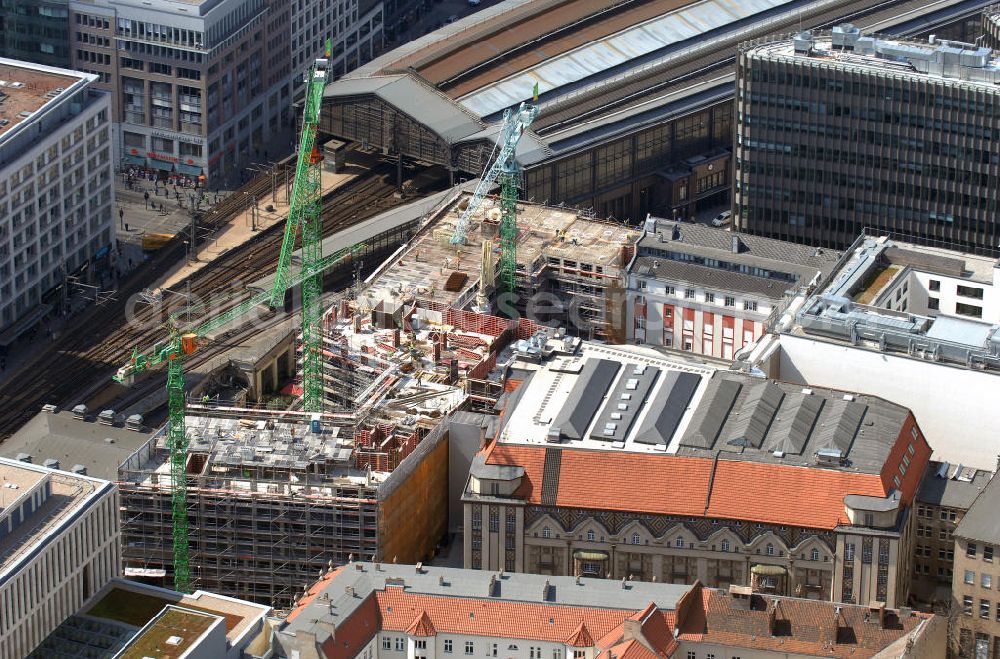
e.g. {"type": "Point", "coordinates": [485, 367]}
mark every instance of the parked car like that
{"type": "Point", "coordinates": [475, 3]}
{"type": "Point", "coordinates": [722, 219]}
{"type": "Point", "coordinates": [452, 18]}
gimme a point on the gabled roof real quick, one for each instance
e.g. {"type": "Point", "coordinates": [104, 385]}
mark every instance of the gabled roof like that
{"type": "Point", "coordinates": [692, 486]}
{"type": "Point", "coordinates": [421, 626]}
{"type": "Point", "coordinates": [982, 522]}
{"type": "Point", "coordinates": [580, 638]}
{"type": "Point", "coordinates": [482, 617]}
{"type": "Point", "coordinates": [807, 627]}
{"type": "Point", "coordinates": [422, 102]}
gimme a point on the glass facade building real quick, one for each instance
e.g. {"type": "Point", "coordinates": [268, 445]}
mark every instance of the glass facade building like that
{"type": "Point", "coordinates": [35, 31]}
{"type": "Point", "coordinates": [840, 133]}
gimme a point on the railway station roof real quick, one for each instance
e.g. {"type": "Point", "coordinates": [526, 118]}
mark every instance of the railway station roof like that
{"type": "Point", "coordinates": [436, 111]}
{"type": "Point", "coordinates": [599, 68]}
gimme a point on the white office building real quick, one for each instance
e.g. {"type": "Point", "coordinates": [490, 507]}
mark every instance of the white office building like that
{"type": "Point", "coordinates": [916, 325]}
{"type": "Point", "coordinates": [59, 545]}
{"type": "Point", "coordinates": [56, 185]}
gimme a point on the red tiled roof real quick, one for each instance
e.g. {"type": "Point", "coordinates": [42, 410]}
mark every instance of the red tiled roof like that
{"type": "Point", "coordinates": [918, 461]}
{"type": "Point", "coordinates": [580, 638]}
{"type": "Point", "coordinates": [657, 626]}
{"type": "Point", "coordinates": [354, 633]}
{"type": "Point", "coordinates": [597, 479]}
{"type": "Point", "coordinates": [808, 627]}
{"type": "Point", "coordinates": [311, 594]}
{"type": "Point", "coordinates": [633, 649]}
{"type": "Point", "coordinates": [421, 626]}
{"type": "Point", "coordinates": [672, 485]}
{"type": "Point", "coordinates": [482, 617]}
{"type": "Point", "coordinates": [774, 493]}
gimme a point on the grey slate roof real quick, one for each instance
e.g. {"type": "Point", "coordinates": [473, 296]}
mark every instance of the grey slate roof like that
{"type": "Point", "coordinates": [671, 402]}
{"type": "Point", "coordinates": [754, 418]}
{"type": "Point", "coordinates": [709, 242]}
{"type": "Point", "coordinates": [951, 485]}
{"type": "Point", "coordinates": [982, 522]}
{"type": "Point", "coordinates": [422, 102]}
{"type": "Point", "coordinates": [72, 442]}
{"type": "Point", "coordinates": [710, 278]}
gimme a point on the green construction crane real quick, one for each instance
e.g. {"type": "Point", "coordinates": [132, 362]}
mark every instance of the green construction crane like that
{"type": "Point", "coordinates": [505, 168]}
{"type": "Point", "coordinates": [306, 212]}
{"type": "Point", "coordinates": [181, 343]}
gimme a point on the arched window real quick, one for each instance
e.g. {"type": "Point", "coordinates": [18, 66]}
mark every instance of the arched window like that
{"type": "Point", "coordinates": [546, 533]}
{"type": "Point", "coordinates": [635, 538]}
{"type": "Point", "coordinates": [725, 545]}
{"type": "Point", "coordinates": [770, 549]}
{"type": "Point", "coordinates": [814, 554]}
{"type": "Point", "coordinates": [591, 535]}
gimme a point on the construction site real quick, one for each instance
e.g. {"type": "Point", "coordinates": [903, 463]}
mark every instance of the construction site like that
{"type": "Point", "coordinates": [568, 268]}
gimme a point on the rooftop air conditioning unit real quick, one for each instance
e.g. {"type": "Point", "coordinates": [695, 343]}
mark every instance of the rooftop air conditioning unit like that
{"type": "Point", "coordinates": [829, 456]}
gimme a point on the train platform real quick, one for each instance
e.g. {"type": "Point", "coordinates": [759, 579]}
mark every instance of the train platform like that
{"type": "Point", "coordinates": [260, 214]}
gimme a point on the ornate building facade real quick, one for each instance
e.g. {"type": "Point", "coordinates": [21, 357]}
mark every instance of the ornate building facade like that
{"type": "Point", "coordinates": [721, 502]}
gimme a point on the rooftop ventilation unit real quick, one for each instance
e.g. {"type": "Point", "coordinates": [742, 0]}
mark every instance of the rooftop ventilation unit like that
{"type": "Point", "coordinates": [51, 463]}
{"type": "Point", "coordinates": [80, 412]}
{"type": "Point", "coordinates": [24, 114]}
{"type": "Point", "coordinates": [50, 408]}
{"type": "Point", "coordinates": [803, 42]}
{"type": "Point", "coordinates": [106, 418]}
{"type": "Point", "coordinates": [829, 456]}
{"type": "Point", "coordinates": [12, 84]}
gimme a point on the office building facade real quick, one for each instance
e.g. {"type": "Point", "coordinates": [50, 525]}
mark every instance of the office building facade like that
{"type": "Point", "coordinates": [56, 185]}
{"type": "Point", "coordinates": [60, 539]}
{"type": "Point", "coordinates": [839, 132]}
{"type": "Point", "coordinates": [194, 93]}
{"type": "Point", "coordinates": [35, 31]}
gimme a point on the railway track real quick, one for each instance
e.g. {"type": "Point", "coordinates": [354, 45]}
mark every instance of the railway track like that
{"type": "Point", "coordinates": [78, 360]}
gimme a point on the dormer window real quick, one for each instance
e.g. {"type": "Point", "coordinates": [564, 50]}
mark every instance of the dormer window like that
{"type": "Point", "coordinates": [546, 532]}
{"type": "Point", "coordinates": [635, 538]}
{"type": "Point", "coordinates": [679, 543]}
{"type": "Point", "coordinates": [590, 536]}
{"type": "Point", "coordinates": [725, 545]}
{"type": "Point", "coordinates": [770, 549]}
{"type": "Point", "coordinates": [814, 555]}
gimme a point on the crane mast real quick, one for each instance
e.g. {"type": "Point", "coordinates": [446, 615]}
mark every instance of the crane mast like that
{"type": "Point", "coordinates": [514, 125]}
{"type": "Point", "coordinates": [306, 212]}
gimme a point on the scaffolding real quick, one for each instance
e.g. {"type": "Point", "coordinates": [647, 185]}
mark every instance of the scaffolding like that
{"type": "Point", "coordinates": [271, 503]}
